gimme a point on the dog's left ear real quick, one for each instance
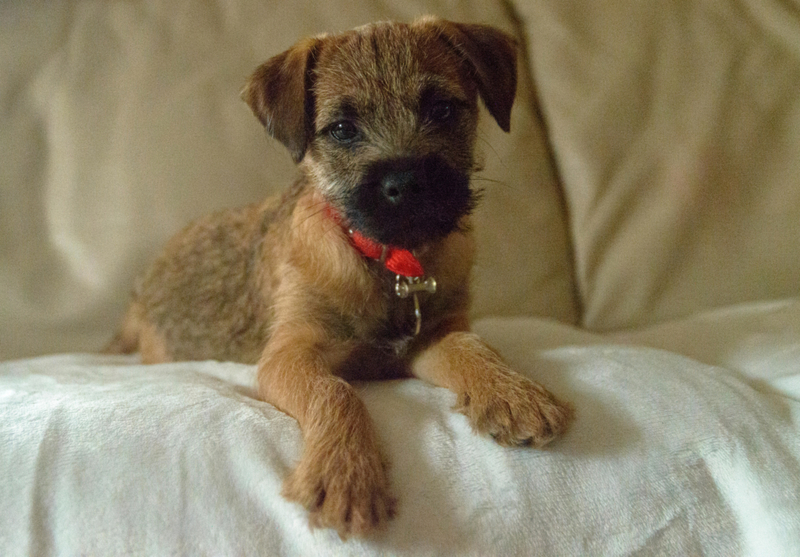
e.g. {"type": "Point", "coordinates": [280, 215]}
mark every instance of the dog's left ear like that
{"type": "Point", "coordinates": [492, 54]}
{"type": "Point", "coordinates": [279, 93]}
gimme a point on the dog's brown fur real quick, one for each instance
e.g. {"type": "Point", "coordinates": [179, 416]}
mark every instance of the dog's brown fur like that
{"type": "Point", "coordinates": [279, 283]}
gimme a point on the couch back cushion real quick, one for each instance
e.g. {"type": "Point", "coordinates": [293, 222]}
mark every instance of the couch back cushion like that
{"type": "Point", "coordinates": [122, 122]}
{"type": "Point", "coordinates": [677, 131]}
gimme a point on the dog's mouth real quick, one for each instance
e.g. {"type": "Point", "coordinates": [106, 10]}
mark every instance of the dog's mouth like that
{"type": "Point", "coordinates": [409, 202]}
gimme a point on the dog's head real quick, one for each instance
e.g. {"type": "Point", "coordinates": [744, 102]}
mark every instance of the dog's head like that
{"type": "Point", "coordinates": [383, 119]}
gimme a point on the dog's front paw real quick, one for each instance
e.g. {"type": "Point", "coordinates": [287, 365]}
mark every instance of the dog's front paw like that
{"type": "Point", "coordinates": [344, 487]}
{"type": "Point", "coordinates": [515, 411]}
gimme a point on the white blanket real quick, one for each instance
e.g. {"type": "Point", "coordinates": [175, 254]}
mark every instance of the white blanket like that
{"type": "Point", "coordinates": [669, 455]}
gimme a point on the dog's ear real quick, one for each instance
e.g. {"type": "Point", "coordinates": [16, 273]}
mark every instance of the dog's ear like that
{"type": "Point", "coordinates": [492, 55]}
{"type": "Point", "coordinates": [279, 93]}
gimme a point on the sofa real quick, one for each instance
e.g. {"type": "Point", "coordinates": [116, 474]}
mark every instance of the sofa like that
{"type": "Point", "coordinates": [638, 254]}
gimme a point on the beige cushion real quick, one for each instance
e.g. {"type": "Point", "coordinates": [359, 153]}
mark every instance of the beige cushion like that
{"type": "Point", "coordinates": [122, 121]}
{"type": "Point", "coordinates": [677, 129]}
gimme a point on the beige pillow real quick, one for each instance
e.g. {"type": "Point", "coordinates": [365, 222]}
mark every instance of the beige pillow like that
{"type": "Point", "coordinates": [677, 131]}
{"type": "Point", "coordinates": [122, 122]}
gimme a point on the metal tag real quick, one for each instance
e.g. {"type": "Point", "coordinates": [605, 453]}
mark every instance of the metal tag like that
{"type": "Point", "coordinates": [411, 286]}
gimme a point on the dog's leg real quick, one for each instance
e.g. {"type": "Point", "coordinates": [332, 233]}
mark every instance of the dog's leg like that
{"type": "Point", "coordinates": [497, 401]}
{"type": "Point", "coordinates": [342, 477]}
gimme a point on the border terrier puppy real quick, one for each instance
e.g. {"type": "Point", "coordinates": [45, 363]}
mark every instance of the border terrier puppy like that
{"type": "Point", "coordinates": [361, 269]}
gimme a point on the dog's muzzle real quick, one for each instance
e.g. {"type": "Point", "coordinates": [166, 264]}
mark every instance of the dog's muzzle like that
{"type": "Point", "coordinates": [409, 202]}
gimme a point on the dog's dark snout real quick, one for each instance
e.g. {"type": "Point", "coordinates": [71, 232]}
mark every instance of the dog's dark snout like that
{"type": "Point", "coordinates": [397, 185]}
{"type": "Point", "coordinates": [409, 201]}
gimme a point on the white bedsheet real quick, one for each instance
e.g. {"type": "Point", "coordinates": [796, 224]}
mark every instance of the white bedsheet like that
{"type": "Point", "coordinates": [669, 455]}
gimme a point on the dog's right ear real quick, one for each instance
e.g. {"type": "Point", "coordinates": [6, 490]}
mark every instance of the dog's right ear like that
{"type": "Point", "coordinates": [279, 93]}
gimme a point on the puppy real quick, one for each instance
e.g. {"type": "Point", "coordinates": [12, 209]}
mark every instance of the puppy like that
{"type": "Point", "coordinates": [361, 269]}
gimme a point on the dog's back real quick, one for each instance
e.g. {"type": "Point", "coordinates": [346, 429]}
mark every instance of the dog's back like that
{"type": "Point", "coordinates": [203, 295]}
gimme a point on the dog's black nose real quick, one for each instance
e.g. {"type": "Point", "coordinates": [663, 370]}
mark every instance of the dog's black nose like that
{"type": "Point", "coordinates": [397, 185]}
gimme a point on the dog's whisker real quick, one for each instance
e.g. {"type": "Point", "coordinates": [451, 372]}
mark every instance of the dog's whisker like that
{"type": "Point", "coordinates": [492, 184]}
{"type": "Point", "coordinates": [317, 209]}
{"type": "Point", "coordinates": [485, 142]}
{"type": "Point", "coordinates": [479, 178]}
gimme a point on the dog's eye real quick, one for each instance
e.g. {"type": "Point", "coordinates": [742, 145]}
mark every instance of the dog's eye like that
{"type": "Point", "coordinates": [344, 132]}
{"type": "Point", "coordinates": [441, 111]}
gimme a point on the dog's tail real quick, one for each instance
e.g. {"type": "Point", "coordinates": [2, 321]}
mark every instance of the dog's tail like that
{"type": "Point", "coordinates": [126, 341]}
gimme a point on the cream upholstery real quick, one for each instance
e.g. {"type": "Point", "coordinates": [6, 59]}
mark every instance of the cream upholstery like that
{"type": "Point", "coordinates": [675, 125]}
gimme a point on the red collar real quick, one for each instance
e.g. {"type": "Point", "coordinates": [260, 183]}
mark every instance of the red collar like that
{"type": "Point", "coordinates": [397, 260]}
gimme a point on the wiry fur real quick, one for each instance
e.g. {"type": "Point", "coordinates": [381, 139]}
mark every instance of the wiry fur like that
{"type": "Point", "coordinates": [279, 283]}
